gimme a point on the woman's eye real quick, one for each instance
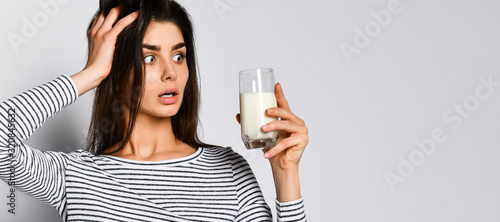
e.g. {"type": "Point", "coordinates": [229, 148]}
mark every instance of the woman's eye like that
{"type": "Point", "coordinates": [149, 59]}
{"type": "Point", "coordinates": [178, 58]}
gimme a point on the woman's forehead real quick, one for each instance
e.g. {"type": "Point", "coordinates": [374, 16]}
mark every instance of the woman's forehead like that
{"type": "Point", "coordinates": [164, 34]}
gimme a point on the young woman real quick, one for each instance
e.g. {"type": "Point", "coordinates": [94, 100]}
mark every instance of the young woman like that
{"type": "Point", "coordinates": [144, 161]}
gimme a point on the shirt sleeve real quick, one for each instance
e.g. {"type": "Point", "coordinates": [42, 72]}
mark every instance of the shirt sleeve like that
{"type": "Point", "coordinates": [291, 210]}
{"type": "Point", "coordinates": [38, 173]}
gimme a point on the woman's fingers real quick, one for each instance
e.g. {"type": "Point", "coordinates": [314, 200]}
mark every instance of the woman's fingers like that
{"type": "Point", "coordinates": [93, 24]}
{"type": "Point", "coordinates": [124, 22]}
{"type": "Point", "coordinates": [280, 97]}
{"type": "Point", "coordinates": [297, 136]}
{"type": "Point", "coordinates": [96, 18]}
{"type": "Point", "coordinates": [293, 142]}
{"type": "Point", "coordinates": [110, 19]}
{"type": "Point", "coordinates": [97, 24]}
{"type": "Point", "coordinates": [238, 116]}
{"type": "Point", "coordinates": [284, 125]}
{"type": "Point", "coordinates": [284, 115]}
{"type": "Point", "coordinates": [104, 26]}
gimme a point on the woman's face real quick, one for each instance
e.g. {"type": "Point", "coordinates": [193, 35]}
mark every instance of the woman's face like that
{"type": "Point", "coordinates": [166, 70]}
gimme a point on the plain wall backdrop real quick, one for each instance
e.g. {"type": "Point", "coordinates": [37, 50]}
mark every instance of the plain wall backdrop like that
{"type": "Point", "coordinates": [401, 97]}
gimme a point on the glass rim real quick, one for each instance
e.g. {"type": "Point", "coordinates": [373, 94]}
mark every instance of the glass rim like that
{"type": "Point", "coordinates": [252, 71]}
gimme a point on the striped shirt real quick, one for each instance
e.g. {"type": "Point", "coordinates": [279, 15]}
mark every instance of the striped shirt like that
{"type": "Point", "coordinates": [212, 184]}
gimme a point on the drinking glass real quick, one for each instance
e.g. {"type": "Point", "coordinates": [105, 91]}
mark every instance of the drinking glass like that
{"type": "Point", "coordinates": [257, 95]}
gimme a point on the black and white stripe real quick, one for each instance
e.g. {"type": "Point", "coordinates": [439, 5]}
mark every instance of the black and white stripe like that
{"type": "Point", "coordinates": [213, 184]}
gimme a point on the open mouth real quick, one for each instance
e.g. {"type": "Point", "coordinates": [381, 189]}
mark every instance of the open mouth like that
{"type": "Point", "coordinates": [170, 94]}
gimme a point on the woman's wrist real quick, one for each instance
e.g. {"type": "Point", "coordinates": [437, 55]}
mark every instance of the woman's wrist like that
{"type": "Point", "coordinates": [287, 184]}
{"type": "Point", "coordinates": [86, 80]}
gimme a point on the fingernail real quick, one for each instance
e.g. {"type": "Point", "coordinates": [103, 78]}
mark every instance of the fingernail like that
{"type": "Point", "coordinates": [265, 127]}
{"type": "Point", "coordinates": [267, 155]}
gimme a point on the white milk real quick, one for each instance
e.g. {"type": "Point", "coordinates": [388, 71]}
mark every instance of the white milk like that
{"type": "Point", "coordinates": [253, 107]}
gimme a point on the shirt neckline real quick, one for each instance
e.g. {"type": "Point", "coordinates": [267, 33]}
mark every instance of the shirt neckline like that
{"type": "Point", "coordinates": [191, 157]}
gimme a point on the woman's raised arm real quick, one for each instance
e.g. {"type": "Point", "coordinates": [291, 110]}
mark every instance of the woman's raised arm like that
{"type": "Point", "coordinates": [41, 173]}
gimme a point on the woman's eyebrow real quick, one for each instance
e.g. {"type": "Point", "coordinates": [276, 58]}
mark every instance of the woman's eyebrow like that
{"type": "Point", "coordinates": [151, 47]}
{"type": "Point", "coordinates": [158, 48]}
{"type": "Point", "coordinates": [178, 46]}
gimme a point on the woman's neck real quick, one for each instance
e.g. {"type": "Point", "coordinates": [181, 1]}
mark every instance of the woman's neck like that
{"type": "Point", "coordinates": [153, 139]}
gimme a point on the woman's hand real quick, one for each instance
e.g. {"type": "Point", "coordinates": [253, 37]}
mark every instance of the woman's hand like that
{"type": "Point", "coordinates": [292, 140]}
{"type": "Point", "coordinates": [102, 39]}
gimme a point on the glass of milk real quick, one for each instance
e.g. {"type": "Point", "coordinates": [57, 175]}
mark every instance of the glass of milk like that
{"type": "Point", "coordinates": [257, 95]}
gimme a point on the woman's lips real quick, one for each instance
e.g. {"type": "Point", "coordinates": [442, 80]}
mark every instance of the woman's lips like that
{"type": "Point", "coordinates": [171, 98]}
{"type": "Point", "coordinates": [168, 100]}
{"type": "Point", "coordinates": [170, 90]}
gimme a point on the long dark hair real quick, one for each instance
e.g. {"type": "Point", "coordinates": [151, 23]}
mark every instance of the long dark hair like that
{"type": "Point", "coordinates": [123, 89]}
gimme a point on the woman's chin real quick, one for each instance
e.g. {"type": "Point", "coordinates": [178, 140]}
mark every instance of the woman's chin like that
{"type": "Point", "coordinates": [159, 113]}
{"type": "Point", "coordinates": [166, 114]}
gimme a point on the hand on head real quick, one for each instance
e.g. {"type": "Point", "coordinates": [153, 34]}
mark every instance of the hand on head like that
{"type": "Point", "coordinates": [102, 39]}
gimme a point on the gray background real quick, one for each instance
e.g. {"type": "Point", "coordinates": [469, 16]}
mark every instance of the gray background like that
{"type": "Point", "coordinates": [364, 111]}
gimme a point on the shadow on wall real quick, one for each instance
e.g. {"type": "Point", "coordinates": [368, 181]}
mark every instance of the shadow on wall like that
{"type": "Point", "coordinates": [62, 133]}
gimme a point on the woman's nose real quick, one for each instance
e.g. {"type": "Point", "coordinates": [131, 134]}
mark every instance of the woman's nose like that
{"type": "Point", "coordinates": [168, 71]}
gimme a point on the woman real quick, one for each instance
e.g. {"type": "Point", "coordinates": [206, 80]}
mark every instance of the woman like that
{"type": "Point", "coordinates": [144, 161]}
